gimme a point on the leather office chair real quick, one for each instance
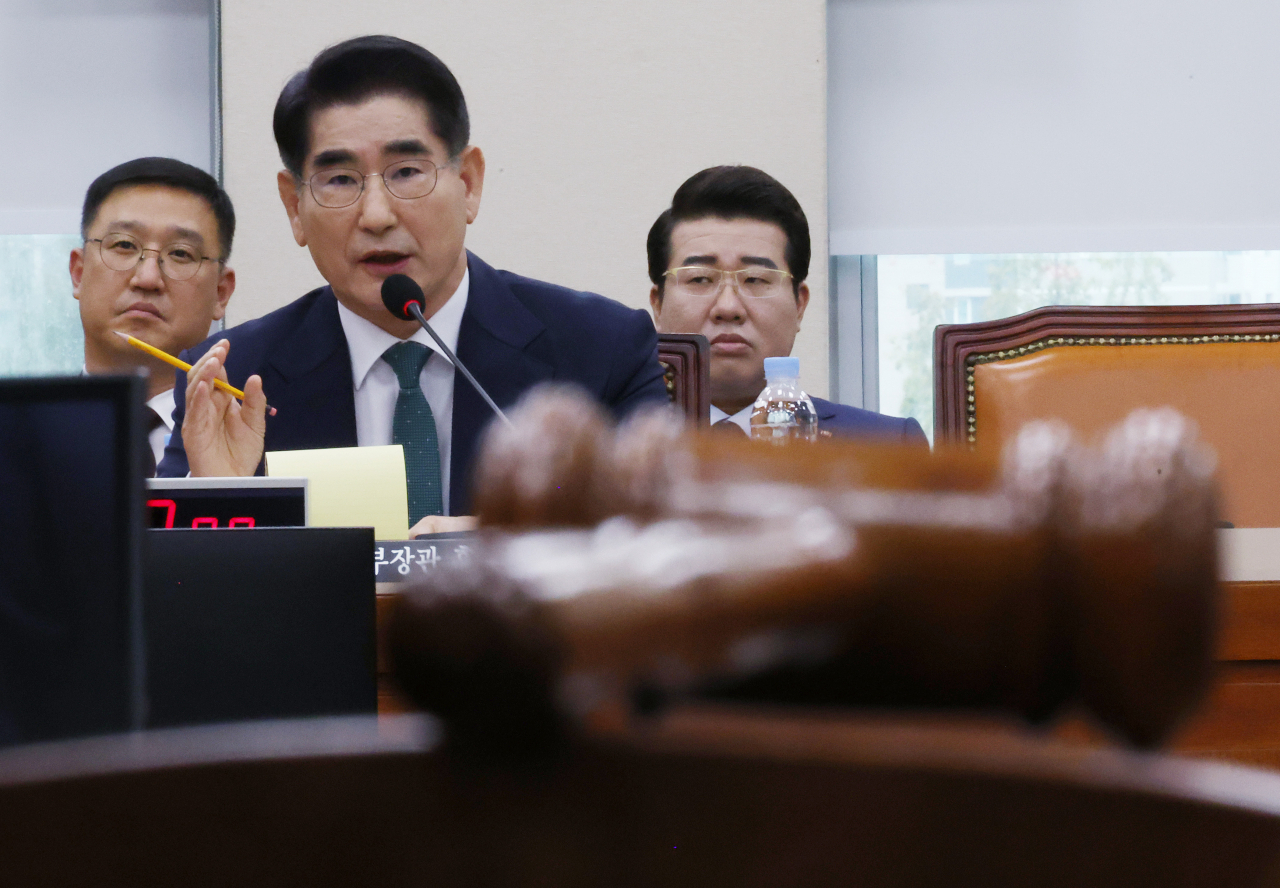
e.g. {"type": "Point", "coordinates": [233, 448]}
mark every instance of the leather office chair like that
{"type": "Point", "coordinates": [686, 361]}
{"type": "Point", "coordinates": [720, 797]}
{"type": "Point", "coordinates": [1090, 366]}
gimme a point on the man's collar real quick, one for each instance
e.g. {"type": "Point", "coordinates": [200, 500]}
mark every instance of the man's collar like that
{"type": "Point", "coordinates": [742, 418]}
{"type": "Point", "coordinates": [162, 404]}
{"type": "Point", "coordinates": [367, 341]}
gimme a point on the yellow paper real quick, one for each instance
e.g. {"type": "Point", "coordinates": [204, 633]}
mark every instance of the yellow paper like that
{"type": "Point", "coordinates": [351, 486]}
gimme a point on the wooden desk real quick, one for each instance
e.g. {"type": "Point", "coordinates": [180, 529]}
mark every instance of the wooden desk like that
{"type": "Point", "coordinates": [390, 701]}
{"type": "Point", "coordinates": [1240, 720]}
{"type": "Point", "coordinates": [748, 798]}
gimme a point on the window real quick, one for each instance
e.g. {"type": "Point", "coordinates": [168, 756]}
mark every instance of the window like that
{"type": "Point", "coordinates": [982, 156]}
{"type": "Point", "coordinates": [914, 294]}
{"type": "Point", "coordinates": [88, 86]}
{"type": "Point", "coordinates": [38, 317]}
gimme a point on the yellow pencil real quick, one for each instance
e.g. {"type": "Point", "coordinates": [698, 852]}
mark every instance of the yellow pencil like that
{"type": "Point", "coordinates": [184, 366]}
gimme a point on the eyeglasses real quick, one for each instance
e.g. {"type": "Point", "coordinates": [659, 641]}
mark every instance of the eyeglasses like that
{"type": "Point", "coordinates": [756, 282]}
{"type": "Point", "coordinates": [122, 252]}
{"type": "Point", "coordinates": [407, 180]}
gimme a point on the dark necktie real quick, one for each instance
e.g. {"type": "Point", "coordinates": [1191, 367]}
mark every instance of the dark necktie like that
{"type": "Point", "coordinates": [151, 421]}
{"type": "Point", "coordinates": [414, 429]}
{"type": "Point", "coordinates": [728, 427]}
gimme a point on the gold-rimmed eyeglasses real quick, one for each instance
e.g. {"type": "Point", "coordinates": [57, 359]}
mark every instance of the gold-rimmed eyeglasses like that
{"type": "Point", "coordinates": [123, 252]}
{"type": "Point", "coordinates": [757, 282]}
{"type": "Point", "coordinates": [405, 179]}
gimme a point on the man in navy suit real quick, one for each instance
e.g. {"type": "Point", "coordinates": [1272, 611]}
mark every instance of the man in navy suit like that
{"type": "Point", "coordinates": [380, 179]}
{"type": "Point", "coordinates": [729, 260]}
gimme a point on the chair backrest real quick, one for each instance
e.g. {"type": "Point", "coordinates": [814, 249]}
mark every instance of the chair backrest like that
{"type": "Point", "coordinates": [701, 798]}
{"type": "Point", "coordinates": [1091, 366]}
{"type": "Point", "coordinates": [686, 362]}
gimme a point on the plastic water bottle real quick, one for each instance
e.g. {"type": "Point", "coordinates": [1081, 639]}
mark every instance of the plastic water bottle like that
{"type": "Point", "coordinates": [783, 412]}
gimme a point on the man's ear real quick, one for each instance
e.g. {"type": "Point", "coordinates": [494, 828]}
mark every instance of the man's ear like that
{"type": "Point", "coordinates": [802, 302]}
{"type": "Point", "coordinates": [77, 271]}
{"type": "Point", "coordinates": [655, 305]}
{"type": "Point", "coordinates": [471, 172]}
{"type": "Point", "coordinates": [290, 196]}
{"type": "Point", "coordinates": [226, 286]}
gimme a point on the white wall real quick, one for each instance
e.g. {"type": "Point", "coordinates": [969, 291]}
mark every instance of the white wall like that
{"type": "Point", "coordinates": [985, 126]}
{"type": "Point", "coordinates": [85, 86]}
{"type": "Point", "coordinates": [590, 115]}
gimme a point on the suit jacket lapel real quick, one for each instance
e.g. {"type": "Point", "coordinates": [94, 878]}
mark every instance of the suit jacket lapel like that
{"type": "Point", "coordinates": [308, 380]}
{"type": "Point", "coordinates": [494, 343]}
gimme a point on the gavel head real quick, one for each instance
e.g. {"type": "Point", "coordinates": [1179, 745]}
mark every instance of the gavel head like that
{"type": "Point", "coordinates": [562, 462]}
{"type": "Point", "coordinates": [1065, 574]}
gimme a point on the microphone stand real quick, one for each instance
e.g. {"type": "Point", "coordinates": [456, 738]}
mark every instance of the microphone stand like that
{"type": "Point", "coordinates": [416, 310]}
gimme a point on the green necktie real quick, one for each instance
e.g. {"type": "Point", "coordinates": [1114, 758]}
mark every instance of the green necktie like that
{"type": "Point", "coordinates": [414, 428]}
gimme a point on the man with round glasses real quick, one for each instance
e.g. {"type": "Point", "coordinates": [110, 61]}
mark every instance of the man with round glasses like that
{"type": "Point", "coordinates": [380, 179]}
{"type": "Point", "coordinates": [728, 260]}
{"type": "Point", "coordinates": [157, 235]}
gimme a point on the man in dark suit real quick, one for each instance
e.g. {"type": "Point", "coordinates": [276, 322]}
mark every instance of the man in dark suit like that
{"type": "Point", "coordinates": [380, 180]}
{"type": "Point", "coordinates": [729, 260]}
{"type": "Point", "coordinates": [161, 209]}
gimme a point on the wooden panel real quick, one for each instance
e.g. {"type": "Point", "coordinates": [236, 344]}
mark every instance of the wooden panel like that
{"type": "Point", "coordinates": [1250, 622]}
{"type": "Point", "coordinates": [1240, 721]}
{"type": "Point", "coordinates": [390, 700]}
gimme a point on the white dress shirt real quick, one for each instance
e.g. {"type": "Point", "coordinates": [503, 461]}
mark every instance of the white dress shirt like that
{"type": "Point", "coordinates": [376, 385]}
{"type": "Point", "coordinates": [742, 419]}
{"type": "Point", "coordinates": [162, 404]}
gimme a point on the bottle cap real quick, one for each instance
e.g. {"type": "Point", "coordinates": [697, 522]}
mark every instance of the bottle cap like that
{"type": "Point", "coordinates": [781, 368]}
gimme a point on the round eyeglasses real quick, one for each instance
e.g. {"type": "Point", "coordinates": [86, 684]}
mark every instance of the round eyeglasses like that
{"type": "Point", "coordinates": [123, 252]}
{"type": "Point", "coordinates": [406, 179]}
{"type": "Point", "coordinates": [757, 282]}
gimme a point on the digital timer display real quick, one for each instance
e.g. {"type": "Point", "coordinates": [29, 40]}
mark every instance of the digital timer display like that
{"type": "Point", "coordinates": [227, 508]}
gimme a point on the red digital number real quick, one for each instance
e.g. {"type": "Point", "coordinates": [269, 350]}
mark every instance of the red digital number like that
{"type": "Point", "coordinates": [240, 522]}
{"type": "Point", "coordinates": [169, 505]}
{"type": "Point", "coordinates": [205, 522]}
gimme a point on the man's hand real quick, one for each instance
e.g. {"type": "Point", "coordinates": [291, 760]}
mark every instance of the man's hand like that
{"type": "Point", "coordinates": [441, 523]}
{"type": "Point", "coordinates": [222, 437]}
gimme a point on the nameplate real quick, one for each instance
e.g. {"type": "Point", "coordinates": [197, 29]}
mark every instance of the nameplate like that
{"type": "Point", "coordinates": [402, 561]}
{"type": "Point", "coordinates": [1249, 555]}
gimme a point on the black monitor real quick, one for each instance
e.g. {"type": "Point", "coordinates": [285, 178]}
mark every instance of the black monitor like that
{"type": "Point", "coordinates": [276, 622]}
{"type": "Point", "coordinates": [71, 523]}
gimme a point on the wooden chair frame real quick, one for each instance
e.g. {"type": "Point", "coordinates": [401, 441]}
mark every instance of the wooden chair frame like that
{"type": "Point", "coordinates": [686, 363]}
{"type": "Point", "coordinates": [958, 348]}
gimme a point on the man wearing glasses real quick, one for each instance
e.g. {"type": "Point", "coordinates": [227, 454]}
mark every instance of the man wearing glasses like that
{"type": "Point", "coordinates": [380, 179]}
{"type": "Point", "coordinates": [157, 234]}
{"type": "Point", "coordinates": [729, 260]}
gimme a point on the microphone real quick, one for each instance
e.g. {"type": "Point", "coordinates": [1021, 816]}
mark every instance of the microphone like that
{"type": "Point", "coordinates": [403, 298]}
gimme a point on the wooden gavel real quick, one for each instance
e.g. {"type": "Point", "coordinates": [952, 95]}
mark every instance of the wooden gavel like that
{"type": "Point", "coordinates": [641, 562]}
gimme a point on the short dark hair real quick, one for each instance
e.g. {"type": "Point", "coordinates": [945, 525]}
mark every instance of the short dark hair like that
{"type": "Point", "coordinates": [362, 67]}
{"type": "Point", "coordinates": [732, 192]}
{"type": "Point", "coordinates": [172, 174]}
